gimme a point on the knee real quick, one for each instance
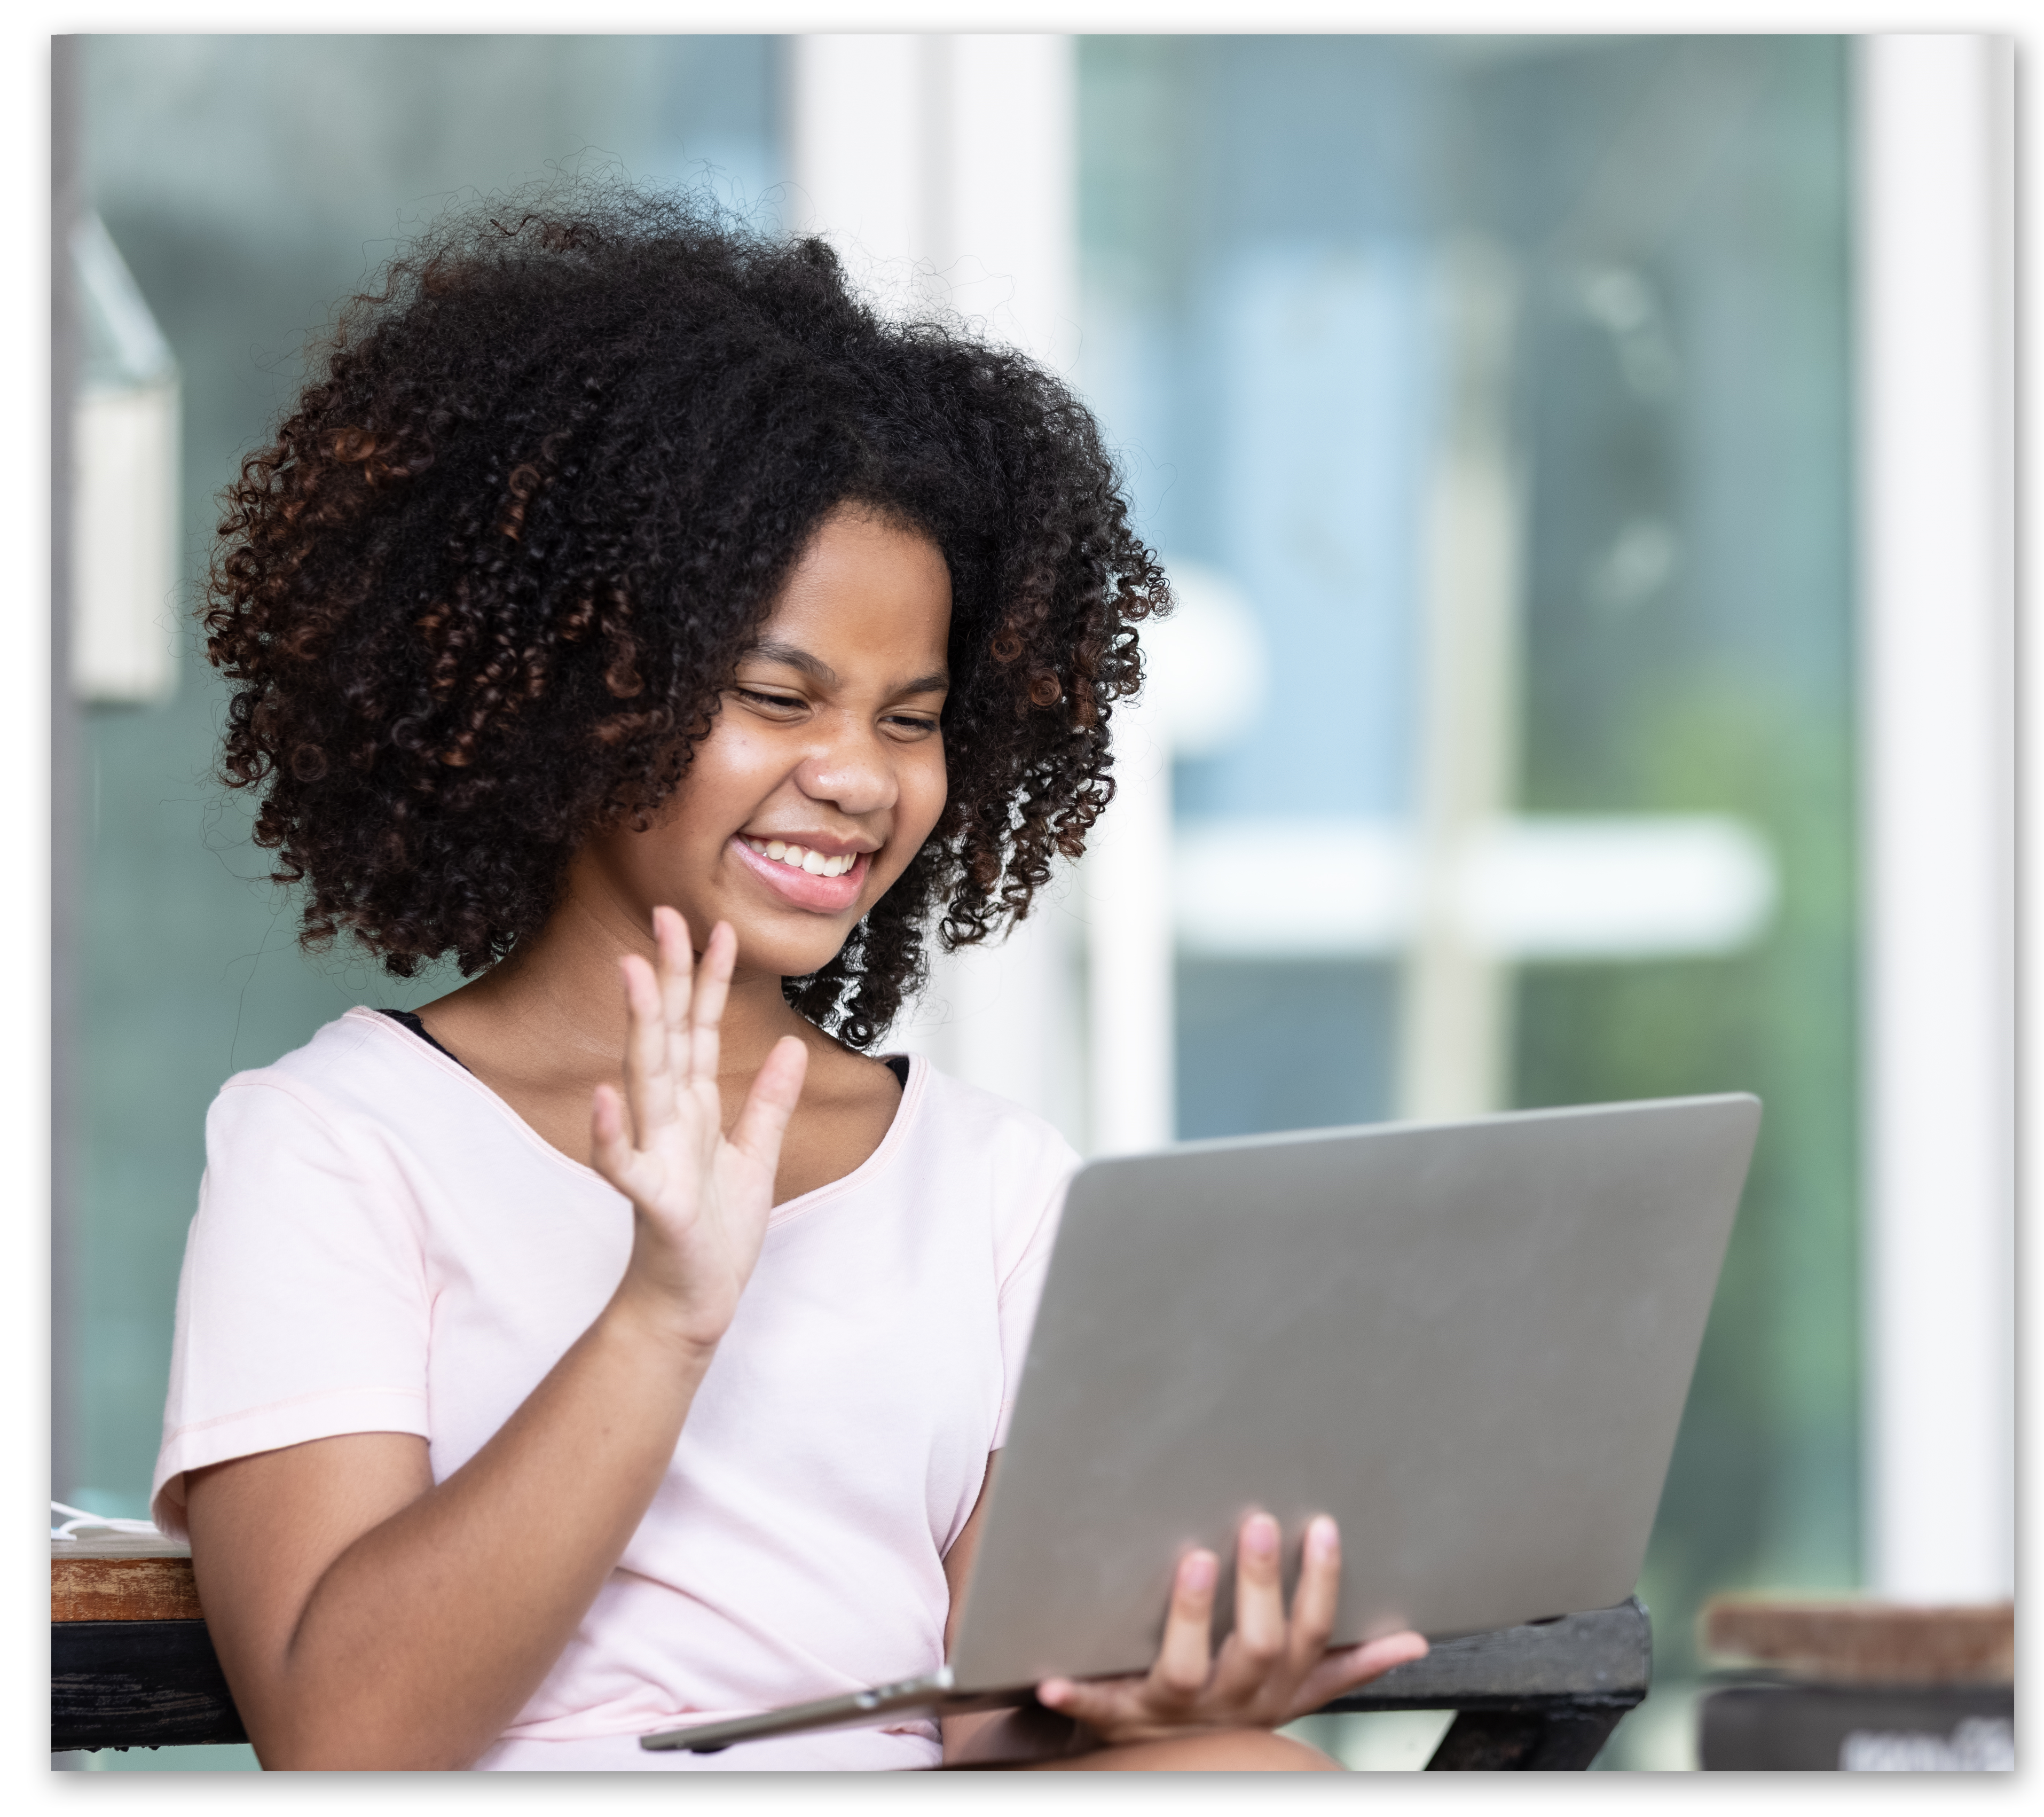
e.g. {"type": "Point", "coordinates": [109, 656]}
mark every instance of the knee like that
{"type": "Point", "coordinates": [1226, 1750]}
{"type": "Point", "coordinates": [1259, 1750]}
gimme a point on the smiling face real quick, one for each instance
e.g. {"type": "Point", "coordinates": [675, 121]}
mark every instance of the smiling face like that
{"type": "Point", "coordinates": [823, 772]}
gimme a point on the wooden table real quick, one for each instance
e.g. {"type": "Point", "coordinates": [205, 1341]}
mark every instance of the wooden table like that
{"type": "Point", "coordinates": [1848, 1683]}
{"type": "Point", "coordinates": [131, 1663]}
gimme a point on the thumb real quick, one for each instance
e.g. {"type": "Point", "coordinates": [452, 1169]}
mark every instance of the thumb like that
{"type": "Point", "coordinates": [770, 1102]}
{"type": "Point", "coordinates": [1343, 1670]}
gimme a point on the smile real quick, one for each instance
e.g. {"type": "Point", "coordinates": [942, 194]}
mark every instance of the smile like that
{"type": "Point", "coordinates": [803, 878]}
{"type": "Point", "coordinates": [801, 858]}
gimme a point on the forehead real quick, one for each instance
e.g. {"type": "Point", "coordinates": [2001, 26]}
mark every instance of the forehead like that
{"type": "Point", "coordinates": [865, 585]}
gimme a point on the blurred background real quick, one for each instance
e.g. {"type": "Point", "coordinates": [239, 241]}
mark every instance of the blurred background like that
{"type": "Point", "coordinates": [1540, 722]}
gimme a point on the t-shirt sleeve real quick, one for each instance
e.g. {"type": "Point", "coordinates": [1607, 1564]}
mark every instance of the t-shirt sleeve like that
{"type": "Point", "coordinates": [1022, 1284]}
{"type": "Point", "coordinates": [303, 1310]}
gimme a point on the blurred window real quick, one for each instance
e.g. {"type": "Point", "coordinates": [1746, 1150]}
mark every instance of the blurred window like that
{"type": "Point", "coordinates": [1505, 382]}
{"type": "Point", "coordinates": [245, 186]}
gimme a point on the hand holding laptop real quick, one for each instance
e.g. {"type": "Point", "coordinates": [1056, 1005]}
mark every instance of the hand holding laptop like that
{"type": "Point", "coordinates": [1270, 1669]}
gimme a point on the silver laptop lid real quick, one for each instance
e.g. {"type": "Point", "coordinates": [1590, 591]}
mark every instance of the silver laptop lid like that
{"type": "Point", "coordinates": [1469, 1343]}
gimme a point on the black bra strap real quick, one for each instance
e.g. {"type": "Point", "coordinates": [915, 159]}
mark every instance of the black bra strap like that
{"type": "Point", "coordinates": [409, 1018]}
{"type": "Point", "coordinates": [897, 1064]}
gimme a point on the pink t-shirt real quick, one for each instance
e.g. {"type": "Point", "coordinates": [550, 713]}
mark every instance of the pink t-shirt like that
{"type": "Point", "coordinates": [384, 1245]}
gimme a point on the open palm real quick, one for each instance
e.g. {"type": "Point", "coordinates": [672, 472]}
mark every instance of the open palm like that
{"type": "Point", "coordinates": [700, 1198]}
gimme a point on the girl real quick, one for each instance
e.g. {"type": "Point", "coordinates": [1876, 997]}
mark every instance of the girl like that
{"type": "Point", "coordinates": [624, 601]}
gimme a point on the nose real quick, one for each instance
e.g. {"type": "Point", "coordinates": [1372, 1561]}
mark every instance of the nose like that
{"type": "Point", "coordinates": [852, 770]}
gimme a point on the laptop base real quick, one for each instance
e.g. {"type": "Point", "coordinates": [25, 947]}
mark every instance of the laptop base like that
{"type": "Point", "coordinates": [930, 1695]}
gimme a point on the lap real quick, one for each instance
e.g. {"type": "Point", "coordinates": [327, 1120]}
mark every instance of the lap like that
{"type": "Point", "coordinates": [1227, 1751]}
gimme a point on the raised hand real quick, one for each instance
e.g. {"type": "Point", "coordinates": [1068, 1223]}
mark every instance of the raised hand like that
{"type": "Point", "coordinates": [1269, 1670]}
{"type": "Point", "coordinates": [700, 1198]}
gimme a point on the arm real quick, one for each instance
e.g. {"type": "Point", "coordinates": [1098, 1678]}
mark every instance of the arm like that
{"type": "Point", "coordinates": [986, 1734]}
{"type": "Point", "coordinates": [997, 1737]}
{"type": "Point", "coordinates": [365, 1617]}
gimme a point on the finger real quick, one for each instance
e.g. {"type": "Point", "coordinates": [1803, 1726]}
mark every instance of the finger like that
{"type": "Point", "coordinates": [712, 990]}
{"type": "Point", "coordinates": [648, 1081]}
{"type": "Point", "coordinates": [1111, 1705]}
{"type": "Point", "coordinates": [610, 1147]}
{"type": "Point", "coordinates": [1174, 1681]}
{"type": "Point", "coordinates": [1316, 1599]}
{"type": "Point", "coordinates": [1340, 1672]}
{"type": "Point", "coordinates": [677, 985]}
{"type": "Point", "coordinates": [1258, 1642]}
{"type": "Point", "coordinates": [771, 1102]}
{"type": "Point", "coordinates": [1184, 1655]}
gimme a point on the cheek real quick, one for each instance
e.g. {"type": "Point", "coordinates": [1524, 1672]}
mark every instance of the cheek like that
{"type": "Point", "coordinates": [732, 769]}
{"type": "Point", "coordinates": [715, 793]}
{"type": "Point", "coordinates": [925, 787]}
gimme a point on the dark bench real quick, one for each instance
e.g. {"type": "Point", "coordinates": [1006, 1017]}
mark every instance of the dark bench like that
{"type": "Point", "coordinates": [132, 1665]}
{"type": "Point", "coordinates": [1541, 1698]}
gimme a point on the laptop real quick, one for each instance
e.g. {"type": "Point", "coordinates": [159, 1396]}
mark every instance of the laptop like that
{"type": "Point", "coordinates": [1471, 1342]}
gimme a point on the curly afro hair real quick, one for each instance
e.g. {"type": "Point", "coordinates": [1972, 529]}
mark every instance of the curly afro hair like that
{"type": "Point", "coordinates": [483, 593]}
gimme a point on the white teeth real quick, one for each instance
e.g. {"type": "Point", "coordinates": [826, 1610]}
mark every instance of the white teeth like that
{"type": "Point", "coordinates": [801, 858]}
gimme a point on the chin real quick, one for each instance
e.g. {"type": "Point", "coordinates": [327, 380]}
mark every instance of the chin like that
{"type": "Point", "coordinates": [789, 953]}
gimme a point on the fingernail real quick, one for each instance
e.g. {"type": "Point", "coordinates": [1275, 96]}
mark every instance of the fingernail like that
{"type": "Point", "coordinates": [1261, 1535]}
{"type": "Point", "coordinates": [1198, 1571]}
{"type": "Point", "coordinates": [1321, 1537]}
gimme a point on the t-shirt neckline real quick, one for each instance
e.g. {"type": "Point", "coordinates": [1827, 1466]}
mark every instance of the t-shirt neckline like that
{"type": "Point", "coordinates": [448, 1067]}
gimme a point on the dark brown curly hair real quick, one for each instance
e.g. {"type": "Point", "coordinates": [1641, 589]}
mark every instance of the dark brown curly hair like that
{"type": "Point", "coordinates": [483, 592]}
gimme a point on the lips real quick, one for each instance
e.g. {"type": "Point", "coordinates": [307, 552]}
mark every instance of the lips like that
{"type": "Point", "coordinates": [804, 889]}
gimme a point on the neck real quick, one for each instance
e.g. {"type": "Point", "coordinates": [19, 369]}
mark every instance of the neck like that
{"type": "Point", "coordinates": [559, 1002]}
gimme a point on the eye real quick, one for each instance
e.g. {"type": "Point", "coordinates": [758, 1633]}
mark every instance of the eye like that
{"type": "Point", "coordinates": [770, 702]}
{"type": "Point", "coordinates": [911, 724]}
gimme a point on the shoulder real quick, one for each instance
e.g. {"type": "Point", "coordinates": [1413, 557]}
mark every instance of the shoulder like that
{"type": "Point", "coordinates": [356, 1103]}
{"type": "Point", "coordinates": [307, 1163]}
{"type": "Point", "coordinates": [990, 1150]}
{"type": "Point", "coordinates": [361, 1064]}
{"type": "Point", "coordinates": [967, 1118]}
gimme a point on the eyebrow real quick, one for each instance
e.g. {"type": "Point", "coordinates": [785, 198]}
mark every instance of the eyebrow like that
{"type": "Point", "coordinates": [793, 656]}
